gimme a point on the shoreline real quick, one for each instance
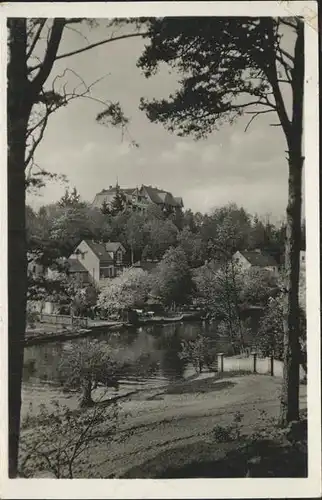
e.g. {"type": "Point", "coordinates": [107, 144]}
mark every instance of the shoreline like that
{"type": "Point", "coordinates": [97, 329]}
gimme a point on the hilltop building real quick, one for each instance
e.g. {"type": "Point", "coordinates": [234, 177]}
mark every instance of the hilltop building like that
{"type": "Point", "coordinates": [140, 198]}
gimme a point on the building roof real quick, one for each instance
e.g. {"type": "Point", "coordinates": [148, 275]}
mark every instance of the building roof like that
{"type": "Point", "coordinates": [107, 195]}
{"type": "Point", "coordinates": [75, 266]}
{"type": "Point", "coordinates": [113, 246]}
{"type": "Point", "coordinates": [259, 259]}
{"type": "Point", "coordinates": [102, 250]}
{"type": "Point", "coordinates": [157, 196]}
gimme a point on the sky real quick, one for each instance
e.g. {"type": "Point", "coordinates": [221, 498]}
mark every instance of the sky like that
{"type": "Point", "coordinates": [231, 165]}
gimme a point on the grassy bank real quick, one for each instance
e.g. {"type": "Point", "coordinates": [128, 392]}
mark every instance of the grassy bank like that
{"type": "Point", "coordinates": [210, 426]}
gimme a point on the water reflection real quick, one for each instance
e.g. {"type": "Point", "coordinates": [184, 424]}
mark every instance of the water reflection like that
{"type": "Point", "coordinates": [157, 348]}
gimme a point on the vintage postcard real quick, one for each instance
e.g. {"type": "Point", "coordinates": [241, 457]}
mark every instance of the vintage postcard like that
{"type": "Point", "coordinates": [160, 289]}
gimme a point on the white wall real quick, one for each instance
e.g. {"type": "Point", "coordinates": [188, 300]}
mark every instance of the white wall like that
{"type": "Point", "coordinates": [238, 258]}
{"type": "Point", "coordinates": [88, 259]}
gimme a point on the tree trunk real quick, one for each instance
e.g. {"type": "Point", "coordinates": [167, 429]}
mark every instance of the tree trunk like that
{"type": "Point", "coordinates": [240, 327]}
{"type": "Point", "coordinates": [292, 349]}
{"type": "Point", "coordinates": [18, 112]}
{"type": "Point", "coordinates": [86, 400]}
{"type": "Point", "coordinates": [291, 357]}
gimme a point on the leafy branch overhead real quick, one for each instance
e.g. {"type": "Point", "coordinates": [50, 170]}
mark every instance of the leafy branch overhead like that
{"type": "Point", "coordinates": [225, 66]}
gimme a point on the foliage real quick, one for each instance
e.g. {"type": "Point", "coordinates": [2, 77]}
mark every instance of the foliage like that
{"type": "Point", "coordinates": [197, 351]}
{"type": "Point", "coordinates": [72, 224]}
{"type": "Point", "coordinates": [232, 432]}
{"type": "Point", "coordinates": [193, 246]}
{"type": "Point", "coordinates": [86, 365]}
{"type": "Point", "coordinates": [136, 234]}
{"type": "Point", "coordinates": [71, 199]}
{"type": "Point", "coordinates": [126, 291]}
{"type": "Point", "coordinates": [219, 57]}
{"type": "Point", "coordinates": [228, 228]}
{"type": "Point", "coordinates": [32, 317]}
{"type": "Point", "coordinates": [84, 300]}
{"type": "Point", "coordinates": [118, 203]}
{"type": "Point", "coordinates": [258, 286]}
{"type": "Point", "coordinates": [173, 280]}
{"type": "Point", "coordinates": [218, 292]}
{"type": "Point", "coordinates": [270, 332]}
{"type": "Point", "coordinates": [55, 229]}
{"type": "Point", "coordinates": [62, 439]}
{"type": "Point", "coordinates": [56, 288]}
{"type": "Point", "coordinates": [161, 235]}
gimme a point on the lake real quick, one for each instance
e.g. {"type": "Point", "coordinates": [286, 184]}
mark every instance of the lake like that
{"type": "Point", "coordinates": [158, 346]}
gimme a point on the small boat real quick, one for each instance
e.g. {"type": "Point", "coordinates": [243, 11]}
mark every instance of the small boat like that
{"type": "Point", "coordinates": [160, 319]}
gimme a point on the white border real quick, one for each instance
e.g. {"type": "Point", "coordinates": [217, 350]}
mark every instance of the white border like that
{"type": "Point", "coordinates": [188, 488]}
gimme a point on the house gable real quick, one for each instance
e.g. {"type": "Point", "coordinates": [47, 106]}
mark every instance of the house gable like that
{"type": "Point", "coordinates": [241, 260]}
{"type": "Point", "coordinates": [88, 258]}
{"type": "Point", "coordinates": [255, 259]}
{"type": "Point", "coordinates": [259, 259]}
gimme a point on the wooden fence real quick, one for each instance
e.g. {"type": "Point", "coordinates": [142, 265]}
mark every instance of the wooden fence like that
{"type": "Point", "coordinates": [60, 319]}
{"type": "Point", "coordinates": [253, 364]}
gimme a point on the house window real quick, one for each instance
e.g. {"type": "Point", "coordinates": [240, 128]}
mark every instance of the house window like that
{"type": "Point", "coordinates": [83, 256]}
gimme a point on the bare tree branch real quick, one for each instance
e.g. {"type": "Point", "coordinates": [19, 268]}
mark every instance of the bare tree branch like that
{"type": "Point", "coordinates": [50, 56]}
{"type": "Point", "coordinates": [93, 45]}
{"type": "Point", "coordinates": [37, 141]}
{"type": "Point", "coordinates": [79, 33]}
{"type": "Point", "coordinates": [287, 22]}
{"type": "Point", "coordinates": [36, 37]}
{"type": "Point", "coordinates": [255, 114]}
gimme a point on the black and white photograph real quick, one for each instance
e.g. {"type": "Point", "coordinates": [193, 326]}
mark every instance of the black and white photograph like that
{"type": "Point", "coordinates": [160, 292]}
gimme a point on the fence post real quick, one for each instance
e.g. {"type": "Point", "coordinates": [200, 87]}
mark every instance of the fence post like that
{"type": "Point", "coordinates": [220, 358]}
{"type": "Point", "coordinates": [254, 354]}
{"type": "Point", "coordinates": [271, 360]}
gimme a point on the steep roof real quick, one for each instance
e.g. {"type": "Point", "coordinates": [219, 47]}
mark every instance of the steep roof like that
{"type": "Point", "coordinates": [179, 200]}
{"type": "Point", "coordinates": [259, 259]}
{"type": "Point", "coordinates": [99, 250]}
{"type": "Point", "coordinates": [75, 266]}
{"type": "Point", "coordinates": [102, 250]}
{"type": "Point", "coordinates": [159, 196]}
{"type": "Point", "coordinates": [107, 195]}
{"type": "Point", "coordinates": [128, 190]}
{"type": "Point", "coordinates": [113, 246]}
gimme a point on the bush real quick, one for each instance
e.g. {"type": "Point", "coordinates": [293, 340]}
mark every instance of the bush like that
{"type": "Point", "coordinates": [33, 317]}
{"type": "Point", "coordinates": [60, 440]}
{"type": "Point", "coordinates": [270, 338]}
{"type": "Point", "coordinates": [198, 352]}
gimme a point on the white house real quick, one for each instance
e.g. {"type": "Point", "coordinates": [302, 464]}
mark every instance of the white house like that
{"type": "Point", "coordinates": [100, 260]}
{"type": "Point", "coordinates": [247, 259]}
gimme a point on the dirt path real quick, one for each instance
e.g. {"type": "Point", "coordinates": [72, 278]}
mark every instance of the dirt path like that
{"type": "Point", "coordinates": [161, 424]}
